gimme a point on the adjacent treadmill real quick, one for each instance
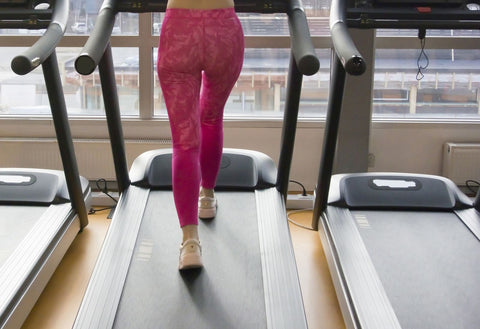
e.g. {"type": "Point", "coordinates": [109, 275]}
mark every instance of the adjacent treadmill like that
{"type": "Point", "coordinates": [41, 211]}
{"type": "Point", "coordinates": [249, 279]}
{"type": "Point", "coordinates": [403, 249]}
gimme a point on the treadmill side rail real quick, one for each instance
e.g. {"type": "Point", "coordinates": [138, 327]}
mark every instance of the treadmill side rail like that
{"type": "Point", "coordinates": [101, 299]}
{"type": "Point", "coordinates": [26, 272]}
{"type": "Point", "coordinates": [471, 218]}
{"type": "Point", "coordinates": [355, 277]}
{"type": "Point", "coordinates": [283, 296]}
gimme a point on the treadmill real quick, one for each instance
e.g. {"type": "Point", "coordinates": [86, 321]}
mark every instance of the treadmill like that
{"type": "Point", "coordinates": [403, 249]}
{"type": "Point", "coordinates": [249, 279]}
{"type": "Point", "coordinates": [41, 211]}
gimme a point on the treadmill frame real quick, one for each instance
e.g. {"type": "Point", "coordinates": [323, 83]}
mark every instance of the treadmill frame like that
{"type": "Point", "coordinates": [26, 272]}
{"type": "Point", "coordinates": [351, 267]}
{"type": "Point", "coordinates": [284, 302]}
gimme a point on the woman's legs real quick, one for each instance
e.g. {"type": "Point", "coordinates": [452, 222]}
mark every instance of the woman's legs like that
{"type": "Point", "coordinates": [225, 43]}
{"type": "Point", "coordinates": [179, 72]}
{"type": "Point", "coordinates": [181, 96]}
{"type": "Point", "coordinates": [215, 46]}
{"type": "Point", "coordinates": [195, 100]}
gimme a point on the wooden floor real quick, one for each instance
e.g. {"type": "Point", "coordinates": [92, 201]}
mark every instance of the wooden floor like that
{"type": "Point", "coordinates": [59, 303]}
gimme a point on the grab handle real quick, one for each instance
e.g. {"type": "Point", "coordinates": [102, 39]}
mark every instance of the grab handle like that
{"type": "Point", "coordinates": [39, 52]}
{"type": "Point", "coordinates": [96, 44]}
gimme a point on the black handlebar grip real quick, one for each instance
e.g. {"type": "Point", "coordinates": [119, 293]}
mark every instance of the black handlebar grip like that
{"type": "Point", "coordinates": [36, 54]}
{"type": "Point", "coordinates": [93, 50]}
{"type": "Point", "coordinates": [346, 50]}
{"type": "Point", "coordinates": [302, 45]}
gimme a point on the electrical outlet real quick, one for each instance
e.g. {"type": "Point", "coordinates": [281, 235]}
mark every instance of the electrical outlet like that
{"type": "Point", "coordinates": [371, 160]}
{"type": "Point", "coordinates": [101, 200]}
{"type": "Point", "coordinates": [298, 201]}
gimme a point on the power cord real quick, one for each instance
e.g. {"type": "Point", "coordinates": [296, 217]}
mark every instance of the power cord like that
{"type": "Point", "coordinates": [104, 190]}
{"type": "Point", "coordinates": [292, 212]}
{"type": "Point", "coordinates": [421, 35]}
{"type": "Point", "coordinates": [468, 184]}
{"type": "Point", "coordinates": [304, 191]}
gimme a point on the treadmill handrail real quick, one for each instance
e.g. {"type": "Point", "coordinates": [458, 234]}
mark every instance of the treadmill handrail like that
{"type": "Point", "coordinates": [43, 48]}
{"type": "Point", "coordinates": [344, 46]}
{"type": "Point", "coordinates": [302, 45]}
{"type": "Point", "coordinates": [96, 44]}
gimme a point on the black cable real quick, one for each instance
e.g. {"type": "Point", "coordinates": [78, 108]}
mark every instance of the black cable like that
{"type": "Point", "coordinates": [470, 187]}
{"type": "Point", "coordinates": [104, 190]}
{"type": "Point", "coordinates": [304, 191]}
{"type": "Point", "coordinates": [421, 35]}
{"type": "Point", "coordinates": [94, 211]}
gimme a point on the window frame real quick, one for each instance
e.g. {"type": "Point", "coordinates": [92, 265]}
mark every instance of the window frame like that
{"type": "Point", "coordinates": [146, 41]}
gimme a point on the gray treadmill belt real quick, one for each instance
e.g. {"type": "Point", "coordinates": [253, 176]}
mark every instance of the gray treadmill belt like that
{"type": "Point", "coordinates": [429, 264]}
{"type": "Point", "coordinates": [15, 223]}
{"type": "Point", "coordinates": [226, 293]}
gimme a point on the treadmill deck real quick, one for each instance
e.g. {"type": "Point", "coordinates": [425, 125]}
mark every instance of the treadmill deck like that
{"type": "Point", "coordinates": [220, 295]}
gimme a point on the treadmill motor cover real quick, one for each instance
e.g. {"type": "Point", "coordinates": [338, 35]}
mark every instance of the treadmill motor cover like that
{"type": "Point", "coordinates": [239, 169]}
{"type": "Point", "coordinates": [397, 191]}
{"type": "Point", "coordinates": [18, 187]}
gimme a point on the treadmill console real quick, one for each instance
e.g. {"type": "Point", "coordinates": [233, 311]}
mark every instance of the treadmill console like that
{"type": "Point", "coordinates": [25, 4]}
{"type": "Point", "coordinates": [13, 2]}
{"type": "Point", "coordinates": [140, 6]}
{"type": "Point", "coordinates": [421, 2]}
{"type": "Point", "coordinates": [27, 14]}
{"type": "Point", "coordinates": [441, 14]}
{"type": "Point", "coordinates": [409, 3]}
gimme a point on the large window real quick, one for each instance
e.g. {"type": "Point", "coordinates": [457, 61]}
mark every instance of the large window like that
{"type": "Point", "coordinates": [27, 95]}
{"type": "Point", "coordinates": [449, 88]}
{"type": "Point", "coordinates": [259, 92]}
{"type": "Point", "coordinates": [261, 88]}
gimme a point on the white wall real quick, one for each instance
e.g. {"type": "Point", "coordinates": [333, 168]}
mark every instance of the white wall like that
{"type": "Point", "coordinates": [402, 147]}
{"type": "Point", "coordinates": [416, 147]}
{"type": "Point", "coordinates": [407, 147]}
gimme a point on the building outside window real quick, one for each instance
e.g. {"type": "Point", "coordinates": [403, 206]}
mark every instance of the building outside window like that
{"type": "Point", "coordinates": [448, 89]}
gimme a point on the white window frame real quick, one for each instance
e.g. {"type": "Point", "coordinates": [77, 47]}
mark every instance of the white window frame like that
{"type": "Point", "coordinates": [88, 127]}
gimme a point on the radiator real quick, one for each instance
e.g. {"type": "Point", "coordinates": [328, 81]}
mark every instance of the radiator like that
{"type": "Point", "coordinates": [461, 162]}
{"type": "Point", "coordinates": [94, 157]}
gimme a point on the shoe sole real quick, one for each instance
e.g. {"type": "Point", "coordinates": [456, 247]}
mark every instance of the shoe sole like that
{"type": "Point", "coordinates": [190, 262]}
{"type": "Point", "coordinates": [207, 213]}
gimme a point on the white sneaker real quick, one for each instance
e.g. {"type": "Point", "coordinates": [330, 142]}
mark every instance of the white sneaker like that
{"type": "Point", "coordinates": [207, 204]}
{"type": "Point", "coordinates": [190, 255]}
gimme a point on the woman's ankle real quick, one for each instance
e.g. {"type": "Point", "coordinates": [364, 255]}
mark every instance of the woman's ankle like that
{"type": "Point", "coordinates": [208, 192]}
{"type": "Point", "coordinates": [190, 232]}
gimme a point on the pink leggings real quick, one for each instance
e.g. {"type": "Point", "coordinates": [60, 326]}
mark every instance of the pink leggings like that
{"type": "Point", "coordinates": [200, 57]}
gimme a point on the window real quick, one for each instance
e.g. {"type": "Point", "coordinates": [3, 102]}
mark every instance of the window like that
{"type": "Point", "coordinates": [260, 90]}
{"type": "Point", "coordinates": [448, 90]}
{"type": "Point", "coordinates": [27, 95]}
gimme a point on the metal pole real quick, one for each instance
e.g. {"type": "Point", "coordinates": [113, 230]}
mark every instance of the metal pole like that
{"type": "Point", "coordinates": [294, 88]}
{"type": "Point", "coordinates": [112, 111]}
{"type": "Point", "coordinates": [64, 136]}
{"type": "Point", "coordinates": [335, 97]}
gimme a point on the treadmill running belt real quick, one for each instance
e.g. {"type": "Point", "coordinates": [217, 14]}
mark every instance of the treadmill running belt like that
{"type": "Point", "coordinates": [429, 264]}
{"type": "Point", "coordinates": [15, 223]}
{"type": "Point", "coordinates": [226, 293]}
